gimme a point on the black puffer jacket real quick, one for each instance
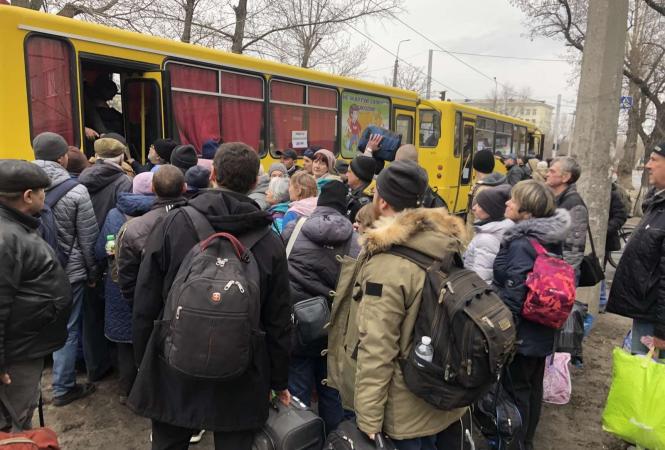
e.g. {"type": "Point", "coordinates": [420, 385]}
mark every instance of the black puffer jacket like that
{"type": "Point", "coordinates": [513, 264]}
{"type": "Point", "coordinates": [313, 265]}
{"type": "Point", "coordinates": [105, 181]}
{"type": "Point", "coordinates": [160, 392]}
{"type": "Point", "coordinates": [638, 288]}
{"type": "Point", "coordinates": [35, 295]}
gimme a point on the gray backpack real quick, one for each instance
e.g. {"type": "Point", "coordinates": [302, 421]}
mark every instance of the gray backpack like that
{"type": "Point", "coordinates": [214, 305]}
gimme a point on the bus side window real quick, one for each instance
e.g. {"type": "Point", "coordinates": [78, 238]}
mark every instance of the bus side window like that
{"type": "Point", "coordinates": [50, 87]}
{"type": "Point", "coordinates": [430, 128]}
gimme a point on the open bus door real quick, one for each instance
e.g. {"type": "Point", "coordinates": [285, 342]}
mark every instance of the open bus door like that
{"type": "Point", "coordinates": [141, 99]}
{"type": "Point", "coordinates": [465, 134]}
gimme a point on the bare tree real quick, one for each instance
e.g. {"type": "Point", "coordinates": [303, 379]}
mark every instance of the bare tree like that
{"type": "Point", "coordinates": [410, 77]}
{"type": "Point", "coordinates": [566, 19]}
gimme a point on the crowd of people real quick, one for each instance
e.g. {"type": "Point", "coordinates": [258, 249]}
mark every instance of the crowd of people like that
{"type": "Point", "coordinates": [111, 292]}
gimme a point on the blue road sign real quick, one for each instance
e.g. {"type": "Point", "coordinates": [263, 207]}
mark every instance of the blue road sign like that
{"type": "Point", "coordinates": [626, 101]}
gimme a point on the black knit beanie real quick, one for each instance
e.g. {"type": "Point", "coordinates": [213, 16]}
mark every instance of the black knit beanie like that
{"type": "Point", "coordinates": [164, 148]}
{"type": "Point", "coordinates": [493, 201]}
{"type": "Point", "coordinates": [402, 185]}
{"type": "Point", "coordinates": [483, 161]}
{"type": "Point", "coordinates": [184, 157]}
{"type": "Point", "coordinates": [363, 167]}
{"type": "Point", "coordinates": [334, 195]}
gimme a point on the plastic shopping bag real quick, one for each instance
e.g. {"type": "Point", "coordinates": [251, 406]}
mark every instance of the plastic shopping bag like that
{"type": "Point", "coordinates": [556, 382]}
{"type": "Point", "coordinates": [635, 409]}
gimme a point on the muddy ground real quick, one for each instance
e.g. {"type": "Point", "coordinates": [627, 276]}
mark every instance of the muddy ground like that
{"type": "Point", "coordinates": [101, 422]}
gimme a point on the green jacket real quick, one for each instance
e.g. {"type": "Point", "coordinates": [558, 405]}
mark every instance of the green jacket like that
{"type": "Point", "coordinates": [373, 318]}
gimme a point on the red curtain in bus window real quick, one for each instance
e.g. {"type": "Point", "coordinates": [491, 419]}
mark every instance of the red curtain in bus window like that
{"type": "Point", "coordinates": [49, 78]}
{"type": "Point", "coordinates": [197, 118]}
{"type": "Point", "coordinates": [284, 120]}
{"type": "Point", "coordinates": [322, 97]}
{"type": "Point", "coordinates": [242, 121]}
{"type": "Point", "coordinates": [322, 126]}
{"type": "Point", "coordinates": [242, 85]}
{"type": "Point", "coordinates": [287, 92]}
{"type": "Point", "coordinates": [195, 78]}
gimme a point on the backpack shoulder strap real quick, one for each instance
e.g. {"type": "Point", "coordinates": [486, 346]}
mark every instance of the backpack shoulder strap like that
{"type": "Point", "coordinates": [537, 246]}
{"type": "Point", "coordinates": [201, 224]}
{"type": "Point", "coordinates": [418, 258]}
{"type": "Point", "coordinates": [294, 235]}
{"type": "Point", "coordinates": [54, 195]}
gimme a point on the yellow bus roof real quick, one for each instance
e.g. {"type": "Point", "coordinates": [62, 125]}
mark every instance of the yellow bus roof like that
{"type": "Point", "coordinates": [445, 105]}
{"type": "Point", "coordinates": [28, 20]}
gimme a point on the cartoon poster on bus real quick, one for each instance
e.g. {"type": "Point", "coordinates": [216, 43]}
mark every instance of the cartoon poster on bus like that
{"type": "Point", "coordinates": [358, 112]}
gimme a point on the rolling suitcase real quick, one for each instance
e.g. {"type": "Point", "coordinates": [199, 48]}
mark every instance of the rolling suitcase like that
{"type": "Point", "coordinates": [293, 427]}
{"type": "Point", "coordinates": [347, 436]}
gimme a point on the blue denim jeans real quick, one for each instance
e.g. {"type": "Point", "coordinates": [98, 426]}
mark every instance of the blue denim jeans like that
{"type": "Point", "coordinates": [306, 374]}
{"type": "Point", "coordinates": [64, 360]}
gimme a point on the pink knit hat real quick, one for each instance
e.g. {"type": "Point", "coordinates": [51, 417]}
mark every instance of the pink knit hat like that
{"type": "Point", "coordinates": [142, 183]}
{"type": "Point", "coordinates": [328, 156]}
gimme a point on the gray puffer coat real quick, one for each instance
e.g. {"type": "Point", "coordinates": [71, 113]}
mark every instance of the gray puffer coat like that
{"type": "Point", "coordinates": [75, 219]}
{"type": "Point", "coordinates": [313, 265]}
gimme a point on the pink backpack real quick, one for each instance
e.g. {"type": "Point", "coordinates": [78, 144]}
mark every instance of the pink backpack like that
{"type": "Point", "coordinates": [551, 286]}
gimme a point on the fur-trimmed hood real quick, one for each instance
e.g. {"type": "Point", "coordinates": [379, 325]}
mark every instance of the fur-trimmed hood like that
{"type": "Point", "coordinates": [548, 230]}
{"type": "Point", "coordinates": [430, 231]}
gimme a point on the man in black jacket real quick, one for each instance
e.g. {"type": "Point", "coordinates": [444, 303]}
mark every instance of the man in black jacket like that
{"type": "Point", "coordinates": [359, 177]}
{"type": "Point", "coordinates": [561, 178]}
{"type": "Point", "coordinates": [178, 404]}
{"type": "Point", "coordinates": [638, 288]}
{"type": "Point", "coordinates": [35, 296]}
{"type": "Point", "coordinates": [515, 172]}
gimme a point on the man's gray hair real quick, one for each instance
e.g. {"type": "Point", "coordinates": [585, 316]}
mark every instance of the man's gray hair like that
{"type": "Point", "coordinates": [569, 165]}
{"type": "Point", "coordinates": [279, 186]}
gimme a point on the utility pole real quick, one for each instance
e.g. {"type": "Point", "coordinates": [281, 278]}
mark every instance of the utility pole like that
{"type": "Point", "coordinates": [397, 61]}
{"type": "Point", "coordinates": [496, 93]}
{"type": "Point", "coordinates": [555, 132]}
{"type": "Point", "coordinates": [429, 73]}
{"type": "Point", "coordinates": [597, 115]}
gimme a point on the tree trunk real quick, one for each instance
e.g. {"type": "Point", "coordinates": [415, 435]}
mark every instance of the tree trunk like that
{"type": "Point", "coordinates": [189, 17]}
{"type": "Point", "coordinates": [239, 33]}
{"type": "Point", "coordinates": [627, 162]}
{"type": "Point", "coordinates": [29, 4]}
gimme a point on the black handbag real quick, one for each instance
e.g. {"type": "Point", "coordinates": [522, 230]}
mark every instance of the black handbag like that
{"type": "Point", "coordinates": [347, 436]}
{"type": "Point", "coordinates": [591, 272]}
{"type": "Point", "coordinates": [310, 318]}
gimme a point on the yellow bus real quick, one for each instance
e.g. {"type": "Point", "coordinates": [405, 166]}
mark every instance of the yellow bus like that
{"type": "Point", "coordinates": [56, 75]}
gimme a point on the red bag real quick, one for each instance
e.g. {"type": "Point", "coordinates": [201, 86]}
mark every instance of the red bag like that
{"type": "Point", "coordinates": [37, 439]}
{"type": "Point", "coordinates": [551, 286]}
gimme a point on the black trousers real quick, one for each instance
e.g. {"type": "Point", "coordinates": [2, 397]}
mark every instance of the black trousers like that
{"type": "Point", "coordinates": [96, 350]}
{"type": "Point", "coordinates": [170, 437]}
{"type": "Point", "coordinates": [126, 368]}
{"type": "Point", "coordinates": [525, 384]}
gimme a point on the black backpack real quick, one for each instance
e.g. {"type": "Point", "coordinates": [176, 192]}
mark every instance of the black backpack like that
{"type": "Point", "coordinates": [48, 229]}
{"type": "Point", "coordinates": [472, 331]}
{"type": "Point", "coordinates": [432, 199]}
{"type": "Point", "coordinates": [214, 305]}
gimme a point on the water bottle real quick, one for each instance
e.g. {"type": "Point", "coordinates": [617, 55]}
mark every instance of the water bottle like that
{"type": "Point", "coordinates": [424, 350]}
{"type": "Point", "coordinates": [110, 245]}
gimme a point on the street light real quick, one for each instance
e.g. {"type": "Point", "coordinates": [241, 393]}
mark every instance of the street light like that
{"type": "Point", "coordinates": [397, 61]}
{"type": "Point", "coordinates": [496, 93]}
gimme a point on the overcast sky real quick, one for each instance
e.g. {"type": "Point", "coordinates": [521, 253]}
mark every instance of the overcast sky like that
{"type": "Point", "coordinates": [476, 26]}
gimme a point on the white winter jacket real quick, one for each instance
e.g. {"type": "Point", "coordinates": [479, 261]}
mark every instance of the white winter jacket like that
{"type": "Point", "coordinates": [484, 246]}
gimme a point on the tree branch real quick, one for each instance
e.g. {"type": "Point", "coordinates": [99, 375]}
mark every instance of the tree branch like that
{"type": "Point", "coordinates": [660, 9]}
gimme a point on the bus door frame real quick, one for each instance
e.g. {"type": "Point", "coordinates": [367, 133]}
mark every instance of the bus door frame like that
{"type": "Point", "coordinates": [151, 78]}
{"type": "Point", "coordinates": [467, 121]}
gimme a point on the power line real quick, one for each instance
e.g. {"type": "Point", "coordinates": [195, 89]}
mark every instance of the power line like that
{"type": "Point", "coordinates": [405, 62]}
{"type": "Point", "coordinates": [521, 58]}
